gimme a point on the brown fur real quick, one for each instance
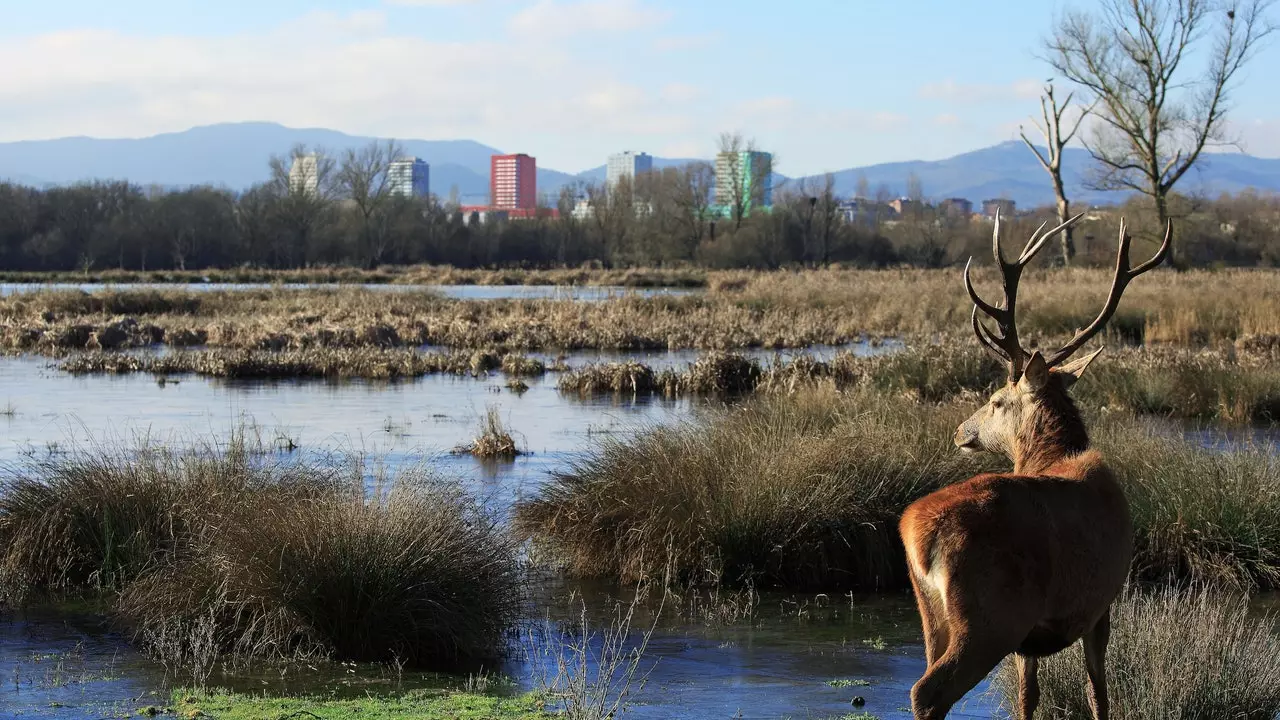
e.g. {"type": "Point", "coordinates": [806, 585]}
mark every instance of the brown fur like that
{"type": "Point", "coordinates": [1025, 562]}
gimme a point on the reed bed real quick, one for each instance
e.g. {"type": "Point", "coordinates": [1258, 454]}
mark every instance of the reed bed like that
{"type": "Point", "coordinates": [370, 363]}
{"type": "Point", "coordinates": [1201, 385]}
{"type": "Point", "coordinates": [221, 552]}
{"type": "Point", "coordinates": [385, 275]}
{"type": "Point", "coordinates": [804, 490]}
{"type": "Point", "coordinates": [1173, 655]}
{"type": "Point", "coordinates": [1199, 309]}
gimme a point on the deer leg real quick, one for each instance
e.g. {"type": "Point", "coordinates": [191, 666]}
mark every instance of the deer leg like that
{"type": "Point", "coordinates": [964, 664]}
{"type": "Point", "coordinates": [934, 623]}
{"type": "Point", "coordinates": [1095, 662]}
{"type": "Point", "coordinates": [1028, 686]}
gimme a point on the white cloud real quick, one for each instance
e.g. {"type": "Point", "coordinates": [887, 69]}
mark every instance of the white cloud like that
{"type": "Point", "coordinates": [951, 91]}
{"type": "Point", "coordinates": [946, 120]}
{"type": "Point", "coordinates": [551, 18]}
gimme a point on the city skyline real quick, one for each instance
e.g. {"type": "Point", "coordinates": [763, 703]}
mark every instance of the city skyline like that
{"type": "Point", "coordinates": [648, 73]}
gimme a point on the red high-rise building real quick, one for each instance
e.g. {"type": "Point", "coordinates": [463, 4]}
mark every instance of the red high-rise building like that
{"type": "Point", "coordinates": [513, 182]}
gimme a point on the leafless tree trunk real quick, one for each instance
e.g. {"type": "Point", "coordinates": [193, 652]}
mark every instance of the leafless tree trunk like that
{"type": "Point", "coordinates": [1154, 116]}
{"type": "Point", "coordinates": [915, 188]}
{"type": "Point", "coordinates": [306, 194]}
{"type": "Point", "coordinates": [1055, 140]}
{"type": "Point", "coordinates": [365, 179]}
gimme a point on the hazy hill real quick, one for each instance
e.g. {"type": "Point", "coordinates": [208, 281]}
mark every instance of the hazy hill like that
{"type": "Point", "coordinates": [235, 155]}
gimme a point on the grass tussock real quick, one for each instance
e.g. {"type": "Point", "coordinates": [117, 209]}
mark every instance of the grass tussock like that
{"type": "Point", "coordinates": [780, 309]}
{"type": "Point", "coordinates": [805, 490]}
{"type": "Point", "coordinates": [223, 552]}
{"type": "Point", "coordinates": [493, 441]}
{"type": "Point", "coordinates": [789, 491]}
{"type": "Point", "coordinates": [1173, 656]}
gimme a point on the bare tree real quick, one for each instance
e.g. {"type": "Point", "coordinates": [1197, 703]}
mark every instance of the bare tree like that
{"type": "Point", "coordinates": [746, 172]}
{"type": "Point", "coordinates": [365, 179]}
{"type": "Point", "coordinates": [915, 188]}
{"type": "Point", "coordinates": [306, 184]}
{"type": "Point", "coordinates": [1055, 140]}
{"type": "Point", "coordinates": [862, 190]}
{"type": "Point", "coordinates": [1154, 116]}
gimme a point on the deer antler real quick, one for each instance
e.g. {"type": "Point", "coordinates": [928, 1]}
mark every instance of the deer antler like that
{"type": "Point", "coordinates": [1122, 278]}
{"type": "Point", "coordinates": [1005, 345]}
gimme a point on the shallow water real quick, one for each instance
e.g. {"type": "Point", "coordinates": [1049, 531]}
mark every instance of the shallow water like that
{"type": "Point", "coordinates": [777, 664]}
{"type": "Point", "coordinates": [460, 292]}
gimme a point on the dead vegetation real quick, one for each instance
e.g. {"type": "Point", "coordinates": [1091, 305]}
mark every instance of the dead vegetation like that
{"type": "Point", "coordinates": [781, 309]}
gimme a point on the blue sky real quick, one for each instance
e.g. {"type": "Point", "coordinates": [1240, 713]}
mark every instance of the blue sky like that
{"type": "Point", "coordinates": [825, 84]}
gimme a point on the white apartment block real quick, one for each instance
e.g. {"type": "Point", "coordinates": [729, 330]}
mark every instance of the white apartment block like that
{"type": "Point", "coordinates": [628, 164]}
{"type": "Point", "coordinates": [304, 174]}
{"type": "Point", "coordinates": [410, 177]}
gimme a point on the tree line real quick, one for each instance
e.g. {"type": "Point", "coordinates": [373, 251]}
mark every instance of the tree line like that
{"type": "Point", "coordinates": [352, 218]}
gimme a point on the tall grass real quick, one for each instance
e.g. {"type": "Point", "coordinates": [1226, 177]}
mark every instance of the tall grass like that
{"type": "Point", "coordinates": [1173, 656]}
{"type": "Point", "coordinates": [215, 552]}
{"type": "Point", "coordinates": [800, 491]}
{"type": "Point", "coordinates": [805, 490]}
{"type": "Point", "coordinates": [1202, 385]}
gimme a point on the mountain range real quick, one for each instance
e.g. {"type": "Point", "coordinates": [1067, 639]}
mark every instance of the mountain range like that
{"type": "Point", "coordinates": [235, 155]}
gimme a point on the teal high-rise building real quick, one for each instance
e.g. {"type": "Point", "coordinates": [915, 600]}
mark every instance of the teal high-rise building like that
{"type": "Point", "coordinates": [744, 181]}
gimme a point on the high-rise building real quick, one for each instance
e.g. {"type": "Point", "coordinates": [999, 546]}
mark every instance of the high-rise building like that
{"type": "Point", "coordinates": [409, 176]}
{"type": "Point", "coordinates": [745, 176]}
{"type": "Point", "coordinates": [1004, 205]}
{"type": "Point", "coordinates": [628, 164]}
{"type": "Point", "coordinates": [304, 174]}
{"type": "Point", "coordinates": [513, 182]}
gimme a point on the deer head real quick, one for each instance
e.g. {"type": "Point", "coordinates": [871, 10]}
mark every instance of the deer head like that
{"type": "Point", "coordinates": [1032, 413]}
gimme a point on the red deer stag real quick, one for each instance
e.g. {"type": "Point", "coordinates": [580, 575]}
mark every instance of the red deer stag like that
{"type": "Point", "coordinates": [1030, 561]}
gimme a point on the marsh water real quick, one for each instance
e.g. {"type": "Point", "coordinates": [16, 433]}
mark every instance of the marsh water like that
{"type": "Point", "coordinates": [799, 656]}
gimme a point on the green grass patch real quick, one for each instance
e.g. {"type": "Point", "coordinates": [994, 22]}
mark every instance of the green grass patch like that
{"type": "Point", "coordinates": [423, 704]}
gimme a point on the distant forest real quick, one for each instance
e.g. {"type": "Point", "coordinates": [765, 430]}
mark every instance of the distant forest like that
{"type": "Point", "coordinates": [348, 215]}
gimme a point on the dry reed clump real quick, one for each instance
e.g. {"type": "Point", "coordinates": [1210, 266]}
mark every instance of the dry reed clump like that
{"type": "Point", "coordinates": [1174, 655]}
{"type": "Point", "coordinates": [763, 309]}
{"type": "Point", "coordinates": [418, 574]}
{"type": "Point", "coordinates": [1200, 516]}
{"type": "Point", "coordinates": [366, 362]}
{"type": "Point", "coordinates": [494, 441]}
{"type": "Point", "coordinates": [625, 378]}
{"type": "Point", "coordinates": [804, 490]}
{"type": "Point", "coordinates": [219, 551]}
{"type": "Point", "coordinates": [796, 491]}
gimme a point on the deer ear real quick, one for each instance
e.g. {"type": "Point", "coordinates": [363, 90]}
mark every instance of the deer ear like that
{"type": "Point", "coordinates": [1072, 371]}
{"type": "Point", "coordinates": [1035, 375]}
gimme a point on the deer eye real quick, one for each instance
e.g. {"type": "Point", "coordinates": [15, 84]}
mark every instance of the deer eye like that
{"type": "Point", "coordinates": [997, 403]}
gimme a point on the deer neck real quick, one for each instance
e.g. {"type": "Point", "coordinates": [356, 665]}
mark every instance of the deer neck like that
{"type": "Point", "coordinates": [1049, 436]}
